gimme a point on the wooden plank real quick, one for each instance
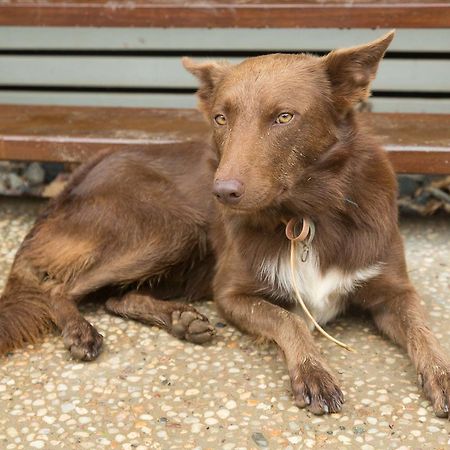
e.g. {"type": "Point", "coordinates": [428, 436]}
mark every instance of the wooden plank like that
{"type": "Point", "coordinates": [217, 39]}
{"type": "Point", "coordinates": [417, 143]}
{"type": "Point", "coordinates": [175, 101]}
{"type": "Point", "coordinates": [399, 75]}
{"type": "Point", "coordinates": [431, 160]}
{"type": "Point", "coordinates": [71, 134]}
{"type": "Point", "coordinates": [228, 14]}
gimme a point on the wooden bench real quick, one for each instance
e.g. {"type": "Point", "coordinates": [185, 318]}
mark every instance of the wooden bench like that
{"type": "Point", "coordinates": [71, 54]}
{"type": "Point", "coordinates": [416, 142]}
{"type": "Point", "coordinates": [219, 13]}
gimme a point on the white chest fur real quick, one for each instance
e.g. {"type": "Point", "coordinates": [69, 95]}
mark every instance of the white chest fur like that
{"type": "Point", "coordinates": [322, 293]}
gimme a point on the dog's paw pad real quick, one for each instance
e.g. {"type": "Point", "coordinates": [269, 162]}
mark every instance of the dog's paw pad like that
{"type": "Point", "coordinates": [192, 326]}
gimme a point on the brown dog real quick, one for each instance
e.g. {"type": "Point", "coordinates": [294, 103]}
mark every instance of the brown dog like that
{"type": "Point", "coordinates": [286, 145]}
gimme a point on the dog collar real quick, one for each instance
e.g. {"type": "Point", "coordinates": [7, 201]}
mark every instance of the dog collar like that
{"type": "Point", "coordinates": [301, 230]}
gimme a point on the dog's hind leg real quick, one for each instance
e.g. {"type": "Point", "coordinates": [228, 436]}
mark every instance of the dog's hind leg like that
{"type": "Point", "coordinates": [56, 260]}
{"type": "Point", "coordinates": [29, 306]}
{"type": "Point", "coordinates": [181, 320]}
{"type": "Point", "coordinates": [80, 337]}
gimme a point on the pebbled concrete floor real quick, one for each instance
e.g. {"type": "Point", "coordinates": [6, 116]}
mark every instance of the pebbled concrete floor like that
{"type": "Point", "coordinates": [148, 390]}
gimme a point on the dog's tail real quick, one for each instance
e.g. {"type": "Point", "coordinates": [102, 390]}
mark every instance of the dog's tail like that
{"type": "Point", "coordinates": [24, 312]}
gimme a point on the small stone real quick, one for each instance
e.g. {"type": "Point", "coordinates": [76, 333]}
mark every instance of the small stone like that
{"type": "Point", "coordinates": [230, 404]}
{"type": "Point", "coordinates": [191, 392]}
{"type": "Point", "coordinates": [35, 174]}
{"type": "Point", "coordinates": [11, 432]}
{"type": "Point", "coordinates": [422, 412]}
{"type": "Point", "coordinates": [49, 419]}
{"type": "Point", "coordinates": [37, 444]}
{"type": "Point", "coordinates": [223, 413]}
{"type": "Point", "coordinates": [162, 434]}
{"type": "Point", "coordinates": [386, 410]}
{"type": "Point", "coordinates": [344, 439]}
{"type": "Point", "coordinates": [260, 440]}
{"type": "Point", "coordinates": [15, 183]}
{"type": "Point", "coordinates": [359, 429]}
{"type": "Point", "coordinates": [41, 412]}
{"type": "Point", "coordinates": [146, 417]}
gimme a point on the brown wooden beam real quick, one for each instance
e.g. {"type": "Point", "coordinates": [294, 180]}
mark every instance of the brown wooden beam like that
{"type": "Point", "coordinates": [416, 143]}
{"type": "Point", "coordinates": [222, 14]}
{"type": "Point", "coordinates": [431, 161]}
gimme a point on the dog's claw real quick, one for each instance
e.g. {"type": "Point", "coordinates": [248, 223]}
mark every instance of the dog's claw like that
{"type": "Point", "coordinates": [420, 380]}
{"type": "Point", "coordinates": [436, 387]}
{"type": "Point", "coordinates": [315, 388]}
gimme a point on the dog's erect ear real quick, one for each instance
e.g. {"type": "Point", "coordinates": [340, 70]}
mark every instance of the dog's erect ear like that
{"type": "Point", "coordinates": [209, 73]}
{"type": "Point", "coordinates": [351, 70]}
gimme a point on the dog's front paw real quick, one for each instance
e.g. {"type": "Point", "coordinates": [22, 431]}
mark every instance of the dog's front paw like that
{"type": "Point", "coordinates": [82, 340]}
{"type": "Point", "coordinates": [435, 381]}
{"type": "Point", "coordinates": [315, 388]}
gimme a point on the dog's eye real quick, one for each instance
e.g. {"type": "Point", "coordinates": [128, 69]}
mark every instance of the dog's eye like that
{"type": "Point", "coordinates": [284, 117]}
{"type": "Point", "coordinates": [220, 119]}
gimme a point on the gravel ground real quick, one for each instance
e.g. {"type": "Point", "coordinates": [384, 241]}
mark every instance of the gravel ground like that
{"type": "Point", "coordinates": [148, 390]}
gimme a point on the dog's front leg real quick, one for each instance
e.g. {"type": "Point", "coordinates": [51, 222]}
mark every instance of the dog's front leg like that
{"type": "Point", "coordinates": [400, 316]}
{"type": "Point", "coordinates": [313, 385]}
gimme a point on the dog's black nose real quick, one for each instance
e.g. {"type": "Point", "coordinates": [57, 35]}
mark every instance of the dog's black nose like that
{"type": "Point", "coordinates": [228, 191]}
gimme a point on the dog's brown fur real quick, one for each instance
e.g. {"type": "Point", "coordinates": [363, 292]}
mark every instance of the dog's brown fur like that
{"type": "Point", "coordinates": [136, 216]}
{"type": "Point", "coordinates": [112, 226]}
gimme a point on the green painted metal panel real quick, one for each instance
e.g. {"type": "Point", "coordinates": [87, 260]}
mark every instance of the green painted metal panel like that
{"type": "Point", "coordinates": [421, 75]}
{"type": "Point", "coordinates": [379, 104]}
{"type": "Point", "coordinates": [62, 38]}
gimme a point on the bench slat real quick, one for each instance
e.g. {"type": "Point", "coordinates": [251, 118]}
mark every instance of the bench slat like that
{"type": "Point", "coordinates": [217, 39]}
{"type": "Point", "coordinates": [223, 14]}
{"type": "Point", "coordinates": [188, 100]}
{"type": "Point", "coordinates": [399, 75]}
{"type": "Point", "coordinates": [417, 143]}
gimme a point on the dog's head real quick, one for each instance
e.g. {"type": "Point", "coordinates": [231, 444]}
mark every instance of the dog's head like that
{"type": "Point", "coordinates": [273, 116]}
